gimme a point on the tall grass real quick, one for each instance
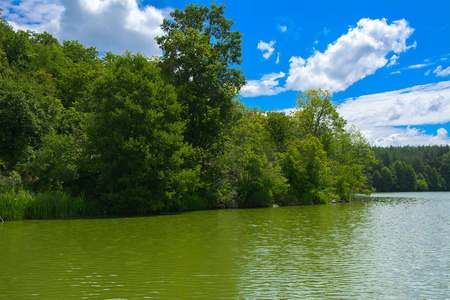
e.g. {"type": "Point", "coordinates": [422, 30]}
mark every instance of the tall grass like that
{"type": "Point", "coordinates": [22, 204]}
{"type": "Point", "coordinates": [14, 204]}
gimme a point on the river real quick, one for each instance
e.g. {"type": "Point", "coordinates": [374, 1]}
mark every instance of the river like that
{"type": "Point", "coordinates": [387, 246]}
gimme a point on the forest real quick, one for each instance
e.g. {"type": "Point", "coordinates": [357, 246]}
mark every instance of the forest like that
{"type": "Point", "coordinates": [85, 133]}
{"type": "Point", "coordinates": [409, 169]}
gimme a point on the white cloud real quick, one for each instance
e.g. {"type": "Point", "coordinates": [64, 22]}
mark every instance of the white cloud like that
{"type": "Point", "coordinates": [396, 72]}
{"type": "Point", "coordinates": [412, 46]}
{"type": "Point", "coordinates": [282, 28]}
{"type": "Point", "coordinates": [392, 136]}
{"type": "Point", "coordinates": [278, 58]}
{"type": "Point", "coordinates": [33, 15]}
{"type": "Point", "coordinates": [266, 48]}
{"type": "Point", "coordinates": [267, 85]}
{"type": "Point", "coordinates": [393, 60]}
{"type": "Point", "coordinates": [383, 120]}
{"type": "Point", "coordinates": [442, 73]}
{"type": "Point", "coordinates": [418, 66]}
{"type": "Point", "coordinates": [379, 116]}
{"type": "Point", "coordinates": [355, 55]}
{"type": "Point", "coordinates": [352, 57]}
{"type": "Point", "coordinates": [427, 72]}
{"type": "Point", "coordinates": [109, 25]}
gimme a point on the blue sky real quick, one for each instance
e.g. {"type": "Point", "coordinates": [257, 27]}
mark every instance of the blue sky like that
{"type": "Point", "coordinates": [387, 62]}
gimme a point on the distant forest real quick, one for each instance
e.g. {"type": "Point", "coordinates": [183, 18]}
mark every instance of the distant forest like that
{"type": "Point", "coordinates": [405, 169]}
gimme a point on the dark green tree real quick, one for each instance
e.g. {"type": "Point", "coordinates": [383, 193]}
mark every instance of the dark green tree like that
{"type": "Point", "coordinates": [405, 177]}
{"type": "Point", "coordinates": [433, 179]}
{"type": "Point", "coordinates": [199, 56]}
{"type": "Point", "coordinates": [135, 140]}
{"type": "Point", "coordinates": [387, 182]}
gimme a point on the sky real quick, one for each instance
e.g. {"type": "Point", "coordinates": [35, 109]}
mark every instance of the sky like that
{"type": "Point", "coordinates": [386, 62]}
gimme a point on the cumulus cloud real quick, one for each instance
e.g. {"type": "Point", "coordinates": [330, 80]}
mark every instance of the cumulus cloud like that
{"type": "Point", "coordinates": [282, 28]}
{"type": "Point", "coordinates": [35, 15]}
{"type": "Point", "coordinates": [109, 25]}
{"type": "Point", "coordinates": [352, 57]}
{"type": "Point", "coordinates": [267, 85]}
{"type": "Point", "coordinates": [380, 117]}
{"type": "Point", "coordinates": [442, 73]}
{"type": "Point", "coordinates": [266, 48]}
{"type": "Point", "coordinates": [355, 55]}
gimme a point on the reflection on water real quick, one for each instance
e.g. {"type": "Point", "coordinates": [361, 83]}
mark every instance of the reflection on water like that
{"type": "Point", "coordinates": [377, 247]}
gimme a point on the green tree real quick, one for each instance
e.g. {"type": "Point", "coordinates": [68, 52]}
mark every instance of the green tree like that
{"type": "Point", "coordinates": [445, 169]}
{"type": "Point", "coordinates": [305, 165]}
{"type": "Point", "coordinates": [199, 55]}
{"type": "Point", "coordinates": [316, 115]}
{"type": "Point", "coordinates": [405, 177]}
{"type": "Point", "coordinates": [421, 183]}
{"type": "Point", "coordinates": [387, 182]}
{"type": "Point", "coordinates": [250, 158]}
{"type": "Point", "coordinates": [135, 140]}
{"type": "Point", "coordinates": [377, 180]}
{"type": "Point", "coordinates": [78, 53]}
{"type": "Point", "coordinates": [55, 162]}
{"type": "Point", "coordinates": [280, 127]}
{"type": "Point", "coordinates": [351, 162]}
{"type": "Point", "coordinates": [27, 114]}
{"type": "Point", "coordinates": [433, 179]}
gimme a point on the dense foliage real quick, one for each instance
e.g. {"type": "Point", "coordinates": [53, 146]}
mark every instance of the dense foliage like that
{"type": "Point", "coordinates": [83, 133]}
{"type": "Point", "coordinates": [406, 169]}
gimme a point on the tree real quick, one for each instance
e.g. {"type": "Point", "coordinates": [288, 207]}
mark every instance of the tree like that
{"type": "Point", "coordinates": [387, 182]}
{"type": "Point", "coordinates": [317, 115]}
{"type": "Point", "coordinates": [405, 177]}
{"type": "Point", "coordinates": [421, 183]}
{"type": "Point", "coordinates": [351, 159]}
{"type": "Point", "coordinates": [305, 165]}
{"type": "Point", "coordinates": [135, 140]}
{"type": "Point", "coordinates": [27, 114]}
{"type": "Point", "coordinates": [433, 179]}
{"type": "Point", "coordinates": [377, 180]}
{"type": "Point", "coordinates": [199, 50]}
{"type": "Point", "coordinates": [55, 162]}
{"type": "Point", "coordinates": [250, 158]}
{"type": "Point", "coordinates": [280, 127]}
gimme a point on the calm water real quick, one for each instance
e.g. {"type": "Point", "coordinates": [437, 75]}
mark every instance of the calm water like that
{"type": "Point", "coordinates": [387, 246]}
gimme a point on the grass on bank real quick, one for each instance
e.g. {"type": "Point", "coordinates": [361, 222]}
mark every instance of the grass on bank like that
{"type": "Point", "coordinates": [22, 204]}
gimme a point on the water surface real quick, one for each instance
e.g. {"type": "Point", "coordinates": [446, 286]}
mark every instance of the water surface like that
{"type": "Point", "coordinates": [384, 246]}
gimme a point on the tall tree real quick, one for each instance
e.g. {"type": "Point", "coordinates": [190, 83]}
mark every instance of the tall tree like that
{"type": "Point", "coordinates": [317, 115]}
{"type": "Point", "coordinates": [199, 55]}
{"type": "Point", "coordinates": [405, 175]}
{"type": "Point", "coordinates": [135, 140]}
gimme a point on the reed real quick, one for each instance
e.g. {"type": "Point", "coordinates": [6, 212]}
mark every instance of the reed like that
{"type": "Point", "coordinates": [56, 205]}
{"type": "Point", "coordinates": [14, 204]}
{"type": "Point", "coordinates": [22, 204]}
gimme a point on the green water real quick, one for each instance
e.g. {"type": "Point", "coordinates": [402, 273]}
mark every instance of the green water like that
{"type": "Point", "coordinates": [386, 246]}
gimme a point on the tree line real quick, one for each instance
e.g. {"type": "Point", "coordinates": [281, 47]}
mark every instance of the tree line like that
{"type": "Point", "coordinates": [408, 169]}
{"type": "Point", "coordinates": [128, 134]}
